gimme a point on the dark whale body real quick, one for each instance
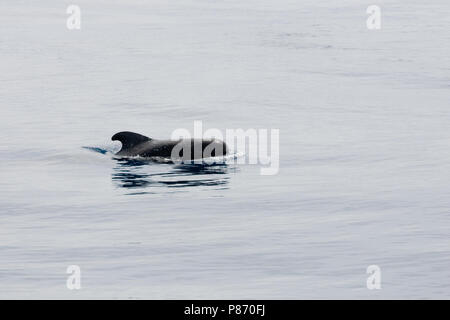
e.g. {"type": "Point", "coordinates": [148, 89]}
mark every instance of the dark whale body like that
{"type": "Point", "coordinates": [134, 144]}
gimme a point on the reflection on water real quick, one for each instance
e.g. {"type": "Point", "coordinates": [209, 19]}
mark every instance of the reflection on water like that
{"type": "Point", "coordinates": [145, 174]}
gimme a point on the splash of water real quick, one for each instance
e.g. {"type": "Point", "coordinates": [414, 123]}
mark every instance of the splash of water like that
{"type": "Point", "coordinates": [113, 149]}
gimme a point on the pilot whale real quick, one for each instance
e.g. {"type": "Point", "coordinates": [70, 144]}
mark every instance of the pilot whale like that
{"type": "Point", "coordinates": [134, 144]}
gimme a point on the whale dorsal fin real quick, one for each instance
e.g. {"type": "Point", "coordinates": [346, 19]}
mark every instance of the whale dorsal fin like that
{"type": "Point", "coordinates": [129, 139]}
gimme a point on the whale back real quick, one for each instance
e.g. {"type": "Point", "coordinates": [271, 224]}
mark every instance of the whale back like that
{"type": "Point", "coordinates": [134, 144]}
{"type": "Point", "coordinates": [129, 140]}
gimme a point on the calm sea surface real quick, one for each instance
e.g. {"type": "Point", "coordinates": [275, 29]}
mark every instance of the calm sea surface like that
{"type": "Point", "coordinates": [364, 178]}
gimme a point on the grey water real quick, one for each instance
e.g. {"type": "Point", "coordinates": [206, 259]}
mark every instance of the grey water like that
{"type": "Point", "coordinates": [364, 120]}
